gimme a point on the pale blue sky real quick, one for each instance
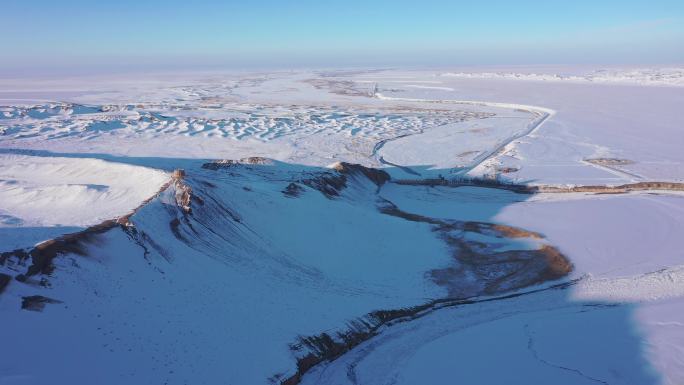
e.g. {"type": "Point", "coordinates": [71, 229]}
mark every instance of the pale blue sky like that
{"type": "Point", "coordinates": [39, 34]}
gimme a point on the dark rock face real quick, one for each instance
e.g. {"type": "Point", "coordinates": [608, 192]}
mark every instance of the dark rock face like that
{"type": "Point", "coordinates": [184, 196]}
{"type": "Point", "coordinates": [37, 302]}
{"type": "Point", "coordinates": [329, 183]}
{"type": "Point", "coordinates": [332, 183]}
{"type": "Point", "coordinates": [498, 272]}
{"type": "Point", "coordinates": [4, 281]}
{"type": "Point", "coordinates": [377, 176]}
{"type": "Point", "coordinates": [228, 163]}
{"type": "Point", "coordinates": [293, 190]}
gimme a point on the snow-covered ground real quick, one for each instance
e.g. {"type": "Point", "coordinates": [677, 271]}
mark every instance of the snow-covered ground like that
{"type": "Point", "coordinates": [642, 76]}
{"type": "Point", "coordinates": [42, 198]}
{"type": "Point", "coordinates": [258, 271]}
{"type": "Point", "coordinates": [637, 129]}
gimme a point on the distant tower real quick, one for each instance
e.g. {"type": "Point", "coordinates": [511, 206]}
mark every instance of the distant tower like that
{"type": "Point", "coordinates": [373, 90]}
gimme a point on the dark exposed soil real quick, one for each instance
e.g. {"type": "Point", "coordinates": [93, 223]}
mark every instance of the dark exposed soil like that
{"type": "Point", "coordinates": [43, 254]}
{"type": "Point", "coordinates": [377, 176]}
{"type": "Point", "coordinates": [4, 281]}
{"type": "Point", "coordinates": [340, 87]}
{"type": "Point", "coordinates": [506, 170]}
{"type": "Point", "coordinates": [497, 272]}
{"type": "Point", "coordinates": [533, 189]}
{"type": "Point", "coordinates": [184, 196]}
{"type": "Point", "coordinates": [609, 161]}
{"type": "Point", "coordinates": [19, 254]}
{"type": "Point", "coordinates": [333, 182]}
{"type": "Point", "coordinates": [326, 347]}
{"type": "Point", "coordinates": [293, 190]}
{"type": "Point", "coordinates": [624, 188]}
{"type": "Point", "coordinates": [328, 183]}
{"type": "Point", "coordinates": [230, 163]}
{"type": "Point", "coordinates": [37, 302]}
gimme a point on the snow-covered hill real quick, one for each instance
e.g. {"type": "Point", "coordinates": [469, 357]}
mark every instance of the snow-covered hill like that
{"type": "Point", "coordinates": [219, 277]}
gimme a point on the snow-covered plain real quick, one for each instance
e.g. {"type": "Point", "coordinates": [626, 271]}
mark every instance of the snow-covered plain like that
{"type": "Point", "coordinates": [234, 272]}
{"type": "Point", "coordinates": [636, 127]}
{"type": "Point", "coordinates": [642, 76]}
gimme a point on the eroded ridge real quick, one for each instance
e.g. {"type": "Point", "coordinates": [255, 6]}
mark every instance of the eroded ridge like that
{"type": "Point", "coordinates": [35, 264]}
{"type": "Point", "coordinates": [483, 265]}
{"type": "Point", "coordinates": [533, 189]}
{"type": "Point", "coordinates": [485, 258]}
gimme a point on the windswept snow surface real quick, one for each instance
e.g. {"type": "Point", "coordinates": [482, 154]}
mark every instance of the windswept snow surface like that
{"type": "Point", "coordinates": [241, 270]}
{"type": "Point", "coordinates": [41, 198]}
